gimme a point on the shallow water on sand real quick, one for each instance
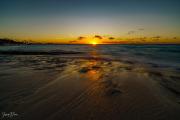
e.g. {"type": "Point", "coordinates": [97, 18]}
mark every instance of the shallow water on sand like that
{"type": "Point", "coordinates": [81, 82]}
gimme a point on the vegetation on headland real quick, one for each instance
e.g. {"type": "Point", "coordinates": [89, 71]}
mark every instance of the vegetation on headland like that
{"type": "Point", "coordinates": [7, 41]}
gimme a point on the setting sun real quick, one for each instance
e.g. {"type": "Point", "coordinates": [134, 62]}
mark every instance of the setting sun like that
{"type": "Point", "coordinates": [94, 43]}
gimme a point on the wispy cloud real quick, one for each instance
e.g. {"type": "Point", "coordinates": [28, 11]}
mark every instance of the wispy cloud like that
{"type": "Point", "coordinates": [135, 31]}
{"type": "Point", "coordinates": [131, 32]}
{"type": "Point", "coordinates": [141, 29]}
{"type": "Point", "coordinates": [115, 42]}
{"type": "Point", "coordinates": [156, 37]}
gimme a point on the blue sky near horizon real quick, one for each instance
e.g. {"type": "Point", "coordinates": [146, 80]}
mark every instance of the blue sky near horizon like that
{"type": "Point", "coordinates": [53, 19]}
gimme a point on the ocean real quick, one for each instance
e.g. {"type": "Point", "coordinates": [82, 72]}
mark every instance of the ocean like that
{"type": "Point", "coordinates": [164, 55]}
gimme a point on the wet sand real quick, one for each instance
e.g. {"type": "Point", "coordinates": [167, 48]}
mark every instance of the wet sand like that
{"type": "Point", "coordinates": [89, 88]}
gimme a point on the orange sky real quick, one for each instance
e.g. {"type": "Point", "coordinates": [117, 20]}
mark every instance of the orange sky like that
{"type": "Point", "coordinates": [106, 39]}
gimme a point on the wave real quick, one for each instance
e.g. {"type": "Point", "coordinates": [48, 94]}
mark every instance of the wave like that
{"type": "Point", "coordinates": [19, 52]}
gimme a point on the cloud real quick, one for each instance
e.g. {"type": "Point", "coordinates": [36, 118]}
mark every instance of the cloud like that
{"type": "Point", "coordinates": [111, 38]}
{"type": "Point", "coordinates": [143, 39]}
{"type": "Point", "coordinates": [115, 42]}
{"type": "Point", "coordinates": [135, 31]}
{"type": "Point", "coordinates": [81, 38]}
{"type": "Point", "coordinates": [131, 32]}
{"type": "Point", "coordinates": [98, 36]}
{"type": "Point", "coordinates": [73, 41]}
{"type": "Point", "coordinates": [175, 38]}
{"type": "Point", "coordinates": [141, 29]}
{"type": "Point", "coordinates": [156, 37]}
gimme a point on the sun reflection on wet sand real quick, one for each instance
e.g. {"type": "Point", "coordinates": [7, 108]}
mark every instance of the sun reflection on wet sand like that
{"type": "Point", "coordinates": [92, 68]}
{"type": "Point", "coordinates": [94, 54]}
{"type": "Point", "coordinates": [94, 72]}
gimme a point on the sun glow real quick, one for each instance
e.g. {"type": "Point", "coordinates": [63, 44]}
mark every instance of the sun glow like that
{"type": "Point", "coordinates": [94, 43]}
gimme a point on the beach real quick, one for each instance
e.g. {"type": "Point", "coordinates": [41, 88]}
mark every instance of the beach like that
{"type": "Point", "coordinates": [84, 82]}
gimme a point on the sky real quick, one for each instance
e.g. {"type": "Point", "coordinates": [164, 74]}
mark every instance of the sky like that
{"type": "Point", "coordinates": [88, 21]}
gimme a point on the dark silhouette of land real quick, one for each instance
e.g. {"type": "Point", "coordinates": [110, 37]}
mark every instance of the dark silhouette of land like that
{"type": "Point", "coordinates": [6, 41]}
